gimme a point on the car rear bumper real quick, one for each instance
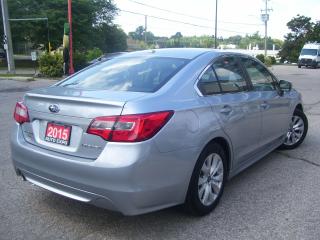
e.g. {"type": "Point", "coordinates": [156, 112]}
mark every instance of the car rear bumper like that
{"type": "Point", "coordinates": [129, 178]}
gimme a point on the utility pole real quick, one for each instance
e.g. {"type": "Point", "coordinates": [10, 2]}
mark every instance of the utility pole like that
{"type": "Point", "coordinates": [216, 27]}
{"type": "Point", "coordinates": [7, 37]}
{"type": "Point", "coordinates": [71, 69]}
{"type": "Point", "coordinates": [265, 19]}
{"type": "Point", "coordinates": [145, 28]}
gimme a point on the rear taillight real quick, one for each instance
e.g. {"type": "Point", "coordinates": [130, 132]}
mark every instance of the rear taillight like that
{"type": "Point", "coordinates": [129, 128]}
{"type": "Point", "coordinates": [21, 113]}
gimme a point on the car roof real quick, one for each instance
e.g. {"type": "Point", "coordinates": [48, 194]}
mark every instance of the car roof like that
{"type": "Point", "coordinates": [185, 53]}
{"type": "Point", "coordinates": [311, 46]}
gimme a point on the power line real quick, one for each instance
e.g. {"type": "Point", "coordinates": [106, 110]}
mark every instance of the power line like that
{"type": "Point", "coordinates": [191, 16]}
{"type": "Point", "coordinates": [181, 22]}
{"type": "Point", "coordinates": [166, 19]}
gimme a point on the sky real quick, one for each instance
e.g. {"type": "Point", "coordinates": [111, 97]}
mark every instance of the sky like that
{"type": "Point", "coordinates": [235, 17]}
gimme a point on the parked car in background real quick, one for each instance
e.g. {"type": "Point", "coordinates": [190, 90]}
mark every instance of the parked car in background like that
{"type": "Point", "coordinates": [310, 55]}
{"type": "Point", "coordinates": [152, 129]}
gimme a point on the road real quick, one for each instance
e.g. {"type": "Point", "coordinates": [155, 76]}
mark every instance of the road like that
{"type": "Point", "coordinates": [276, 198]}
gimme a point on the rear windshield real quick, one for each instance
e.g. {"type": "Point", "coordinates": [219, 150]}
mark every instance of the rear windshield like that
{"type": "Point", "coordinates": [312, 52]}
{"type": "Point", "coordinates": [127, 74]}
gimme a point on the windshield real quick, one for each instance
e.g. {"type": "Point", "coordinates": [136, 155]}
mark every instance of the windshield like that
{"type": "Point", "coordinates": [142, 74]}
{"type": "Point", "coordinates": [312, 52]}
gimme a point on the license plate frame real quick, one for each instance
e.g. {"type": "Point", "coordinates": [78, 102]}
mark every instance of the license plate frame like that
{"type": "Point", "coordinates": [58, 133]}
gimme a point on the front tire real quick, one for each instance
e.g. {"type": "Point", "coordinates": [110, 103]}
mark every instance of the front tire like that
{"type": "Point", "coordinates": [207, 181]}
{"type": "Point", "coordinates": [297, 131]}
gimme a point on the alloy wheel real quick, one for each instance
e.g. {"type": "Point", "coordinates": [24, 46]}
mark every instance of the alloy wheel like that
{"type": "Point", "coordinates": [210, 179]}
{"type": "Point", "coordinates": [295, 131]}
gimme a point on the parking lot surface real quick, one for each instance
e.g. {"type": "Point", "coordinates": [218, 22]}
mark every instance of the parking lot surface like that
{"type": "Point", "coordinates": [276, 198]}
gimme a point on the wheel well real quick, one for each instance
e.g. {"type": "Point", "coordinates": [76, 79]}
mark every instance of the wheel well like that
{"type": "Point", "coordinates": [299, 106]}
{"type": "Point", "coordinates": [225, 145]}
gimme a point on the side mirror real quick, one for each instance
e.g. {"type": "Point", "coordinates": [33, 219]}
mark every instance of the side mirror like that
{"type": "Point", "coordinates": [285, 85]}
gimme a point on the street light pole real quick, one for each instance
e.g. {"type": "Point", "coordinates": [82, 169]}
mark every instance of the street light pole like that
{"type": "Point", "coordinates": [71, 69]}
{"type": "Point", "coordinates": [7, 37]}
{"type": "Point", "coordinates": [216, 26]}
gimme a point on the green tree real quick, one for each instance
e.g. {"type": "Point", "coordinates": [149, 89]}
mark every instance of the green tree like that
{"type": "Point", "coordinates": [111, 38]}
{"type": "Point", "coordinates": [314, 35]}
{"type": "Point", "coordinates": [87, 15]}
{"type": "Point", "coordinates": [300, 26]}
{"type": "Point", "coordinates": [302, 30]}
{"type": "Point", "coordinates": [138, 34]}
{"type": "Point", "coordinates": [177, 40]}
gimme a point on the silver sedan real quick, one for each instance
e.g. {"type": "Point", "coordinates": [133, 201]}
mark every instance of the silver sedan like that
{"type": "Point", "coordinates": [153, 129]}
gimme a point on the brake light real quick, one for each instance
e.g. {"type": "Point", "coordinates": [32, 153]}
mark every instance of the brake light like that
{"type": "Point", "coordinates": [21, 113]}
{"type": "Point", "coordinates": [129, 128]}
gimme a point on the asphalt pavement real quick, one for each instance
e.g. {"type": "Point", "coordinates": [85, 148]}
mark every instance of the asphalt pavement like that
{"type": "Point", "coordinates": [276, 198]}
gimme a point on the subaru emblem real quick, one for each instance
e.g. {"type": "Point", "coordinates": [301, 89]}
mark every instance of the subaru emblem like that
{"type": "Point", "coordinates": [54, 108]}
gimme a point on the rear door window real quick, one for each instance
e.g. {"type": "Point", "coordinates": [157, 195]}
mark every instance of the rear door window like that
{"type": "Point", "coordinates": [230, 75]}
{"type": "Point", "coordinates": [144, 74]}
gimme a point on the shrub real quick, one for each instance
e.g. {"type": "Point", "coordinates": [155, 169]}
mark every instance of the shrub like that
{"type": "Point", "coordinates": [273, 60]}
{"type": "Point", "coordinates": [93, 54]}
{"type": "Point", "coordinates": [260, 57]}
{"type": "Point", "coordinates": [51, 65]}
{"type": "Point", "coordinates": [79, 60]}
{"type": "Point", "coordinates": [268, 61]}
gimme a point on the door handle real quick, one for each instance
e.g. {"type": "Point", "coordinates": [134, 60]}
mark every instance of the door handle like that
{"type": "Point", "coordinates": [226, 109]}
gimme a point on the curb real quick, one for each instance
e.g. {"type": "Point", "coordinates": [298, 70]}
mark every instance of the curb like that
{"type": "Point", "coordinates": [17, 78]}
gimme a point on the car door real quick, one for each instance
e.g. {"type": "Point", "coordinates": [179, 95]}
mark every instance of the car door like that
{"type": "Point", "coordinates": [274, 107]}
{"type": "Point", "coordinates": [225, 87]}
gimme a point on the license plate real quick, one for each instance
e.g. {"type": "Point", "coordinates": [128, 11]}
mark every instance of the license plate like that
{"type": "Point", "coordinates": [59, 134]}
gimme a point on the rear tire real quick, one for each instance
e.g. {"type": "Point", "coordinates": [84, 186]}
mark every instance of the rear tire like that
{"type": "Point", "coordinates": [207, 181]}
{"type": "Point", "coordinates": [299, 66]}
{"type": "Point", "coordinates": [297, 131]}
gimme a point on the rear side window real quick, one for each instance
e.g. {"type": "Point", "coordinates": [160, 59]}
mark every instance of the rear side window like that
{"type": "Point", "coordinates": [144, 74]}
{"type": "Point", "coordinates": [230, 75]}
{"type": "Point", "coordinates": [208, 83]}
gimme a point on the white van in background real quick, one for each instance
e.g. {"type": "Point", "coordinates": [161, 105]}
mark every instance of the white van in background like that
{"type": "Point", "coordinates": [310, 55]}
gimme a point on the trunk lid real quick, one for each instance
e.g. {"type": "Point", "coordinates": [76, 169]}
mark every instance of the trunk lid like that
{"type": "Point", "coordinates": [75, 108]}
